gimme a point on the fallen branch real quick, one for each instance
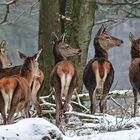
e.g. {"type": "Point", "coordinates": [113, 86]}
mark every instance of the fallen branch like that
{"type": "Point", "coordinates": [115, 94]}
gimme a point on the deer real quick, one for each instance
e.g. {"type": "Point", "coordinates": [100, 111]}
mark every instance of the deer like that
{"type": "Point", "coordinates": [5, 60]}
{"type": "Point", "coordinates": [63, 76]}
{"type": "Point", "coordinates": [9, 70]}
{"type": "Point", "coordinates": [98, 74]}
{"type": "Point", "coordinates": [134, 69]}
{"type": "Point", "coordinates": [15, 91]}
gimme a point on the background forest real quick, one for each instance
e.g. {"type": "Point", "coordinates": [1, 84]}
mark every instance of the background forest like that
{"type": "Point", "coordinates": [26, 25]}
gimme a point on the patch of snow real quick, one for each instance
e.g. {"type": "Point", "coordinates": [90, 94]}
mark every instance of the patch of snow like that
{"type": "Point", "coordinates": [29, 129]}
{"type": "Point", "coordinates": [37, 128]}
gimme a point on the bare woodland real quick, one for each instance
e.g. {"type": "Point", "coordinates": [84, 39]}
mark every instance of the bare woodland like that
{"type": "Point", "coordinates": [76, 19]}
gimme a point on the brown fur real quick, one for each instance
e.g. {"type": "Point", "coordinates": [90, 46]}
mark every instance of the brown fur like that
{"type": "Point", "coordinates": [15, 90]}
{"type": "Point", "coordinates": [63, 77]}
{"type": "Point", "coordinates": [9, 70]}
{"type": "Point", "coordinates": [134, 69]}
{"type": "Point", "coordinates": [99, 73]}
{"type": "Point", "coordinates": [21, 95]}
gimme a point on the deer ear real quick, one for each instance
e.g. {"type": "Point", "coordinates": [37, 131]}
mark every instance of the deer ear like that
{"type": "Point", "coordinates": [36, 56]}
{"type": "Point", "coordinates": [3, 43]}
{"type": "Point", "coordinates": [131, 37]}
{"type": "Point", "coordinates": [102, 28]}
{"type": "Point", "coordinates": [54, 37]}
{"type": "Point", "coordinates": [22, 55]}
{"type": "Point", "coordinates": [105, 28]}
{"type": "Point", "coordinates": [62, 38]}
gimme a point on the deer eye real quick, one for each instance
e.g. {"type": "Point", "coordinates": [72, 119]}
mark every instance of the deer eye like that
{"type": "Point", "coordinates": [107, 37]}
{"type": "Point", "coordinates": [67, 46]}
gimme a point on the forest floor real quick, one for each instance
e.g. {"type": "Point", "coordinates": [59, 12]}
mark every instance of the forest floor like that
{"type": "Point", "coordinates": [116, 124]}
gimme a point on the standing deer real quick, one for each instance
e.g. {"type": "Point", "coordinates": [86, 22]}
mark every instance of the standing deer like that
{"type": "Point", "coordinates": [99, 73]}
{"type": "Point", "coordinates": [15, 91]}
{"type": "Point", "coordinates": [5, 61]}
{"type": "Point", "coordinates": [134, 69]}
{"type": "Point", "coordinates": [9, 70]}
{"type": "Point", "coordinates": [63, 77]}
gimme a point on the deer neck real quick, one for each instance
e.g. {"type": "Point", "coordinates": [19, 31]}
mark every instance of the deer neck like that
{"type": "Point", "coordinates": [100, 51]}
{"type": "Point", "coordinates": [28, 75]}
{"type": "Point", "coordinates": [134, 53]}
{"type": "Point", "coordinates": [57, 56]}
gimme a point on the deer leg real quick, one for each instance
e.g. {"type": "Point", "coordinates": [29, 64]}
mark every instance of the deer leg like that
{"type": "Point", "coordinates": [37, 106]}
{"type": "Point", "coordinates": [67, 102]}
{"type": "Point", "coordinates": [39, 111]}
{"type": "Point", "coordinates": [35, 97]}
{"type": "Point", "coordinates": [102, 104]}
{"type": "Point", "coordinates": [135, 101]}
{"type": "Point", "coordinates": [58, 114]}
{"type": "Point", "coordinates": [2, 109]}
{"type": "Point", "coordinates": [11, 113]}
{"type": "Point", "coordinates": [58, 101]}
{"type": "Point", "coordinates": [3, 116]}
{"type": "Point", "coordinates": [25, 111]}
{"type": "Point", "coordinates": [93, 101]}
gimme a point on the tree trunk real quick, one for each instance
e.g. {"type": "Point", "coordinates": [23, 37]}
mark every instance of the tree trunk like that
{"type": "Point", "coordinates": [48, 23]}
{"type": "Point", "coordinates": [79, 30]}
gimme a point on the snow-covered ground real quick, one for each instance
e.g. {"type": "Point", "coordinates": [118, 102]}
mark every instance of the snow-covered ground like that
{"type": "Point", "coordinates": [81, 126]}
{"type": "Point", "coordinates": [104, 127]}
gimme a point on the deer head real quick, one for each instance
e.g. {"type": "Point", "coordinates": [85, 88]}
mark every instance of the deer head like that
{"type": "Point", "coordinates": [6, 63]}
{"type": "Point", "coordinates": [135, 46]}
{"type": "Point", "coordinates": [34, 62]}
{"type": "Point", "coordinates": [61, 49]}
{"type": "Point", "coordinates": [105, 40]}
{"type": "Point", "coordinates": [135, 42]}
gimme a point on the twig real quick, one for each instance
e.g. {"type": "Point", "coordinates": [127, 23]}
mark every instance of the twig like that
{"type": "Point", "coordinates": [9, 3]}
{"type": "Point", "coordinates": [34, 4]}
{"type": "Point", "coordinates": [118, 104]}
{"type": "Point", "coordinates": [7, 9]}
{"type": "Point", "coordinates": [82, 106]}
{"type": "Point", "coordinates": [16, 19]}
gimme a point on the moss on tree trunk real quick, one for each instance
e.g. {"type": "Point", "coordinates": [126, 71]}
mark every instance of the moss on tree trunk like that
{"type": "Point", "coordinates": [79, 30]}
{"type": "Point", "coordinates": [49, 10]}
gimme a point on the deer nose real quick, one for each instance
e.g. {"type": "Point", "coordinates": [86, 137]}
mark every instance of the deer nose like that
{"type": "Point", "coordinates": [80, 51]}
{"type": "Point", "coordinates": [121, 41]}
{"type": "Point", "coordinates": [11, 64]}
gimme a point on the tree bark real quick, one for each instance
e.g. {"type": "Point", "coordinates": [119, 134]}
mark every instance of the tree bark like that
{"type": "Point", "coordinates": [48, 23]}
{"type": "Point", "coordinates": [79, 30]}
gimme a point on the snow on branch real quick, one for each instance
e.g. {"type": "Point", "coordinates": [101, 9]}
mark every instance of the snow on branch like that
{"type": "Point", "coordinates": [106, 122]}
{"type": "Point", "coordinates": [9, 3]}
{"type": "Point", "coordinates": [136, 2]}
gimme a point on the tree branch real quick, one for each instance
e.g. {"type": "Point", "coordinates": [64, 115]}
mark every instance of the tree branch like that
{"type": "Point", "coordinates": [7, 4]}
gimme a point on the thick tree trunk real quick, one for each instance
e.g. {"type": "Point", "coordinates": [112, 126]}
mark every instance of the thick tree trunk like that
{"type": "Point", "coordinates": [49, 11]}
{"type": "Point", "coordinates": [79, 30]}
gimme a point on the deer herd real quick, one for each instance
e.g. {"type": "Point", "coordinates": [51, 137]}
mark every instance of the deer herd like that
{"type": "Point", "coordinates": [20, 85]}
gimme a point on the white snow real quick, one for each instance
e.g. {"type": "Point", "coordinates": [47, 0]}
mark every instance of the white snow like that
{"type": "Point", "coordinates": [37, 128]}
{"type": "Point", "coordinates": [81, 126]}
